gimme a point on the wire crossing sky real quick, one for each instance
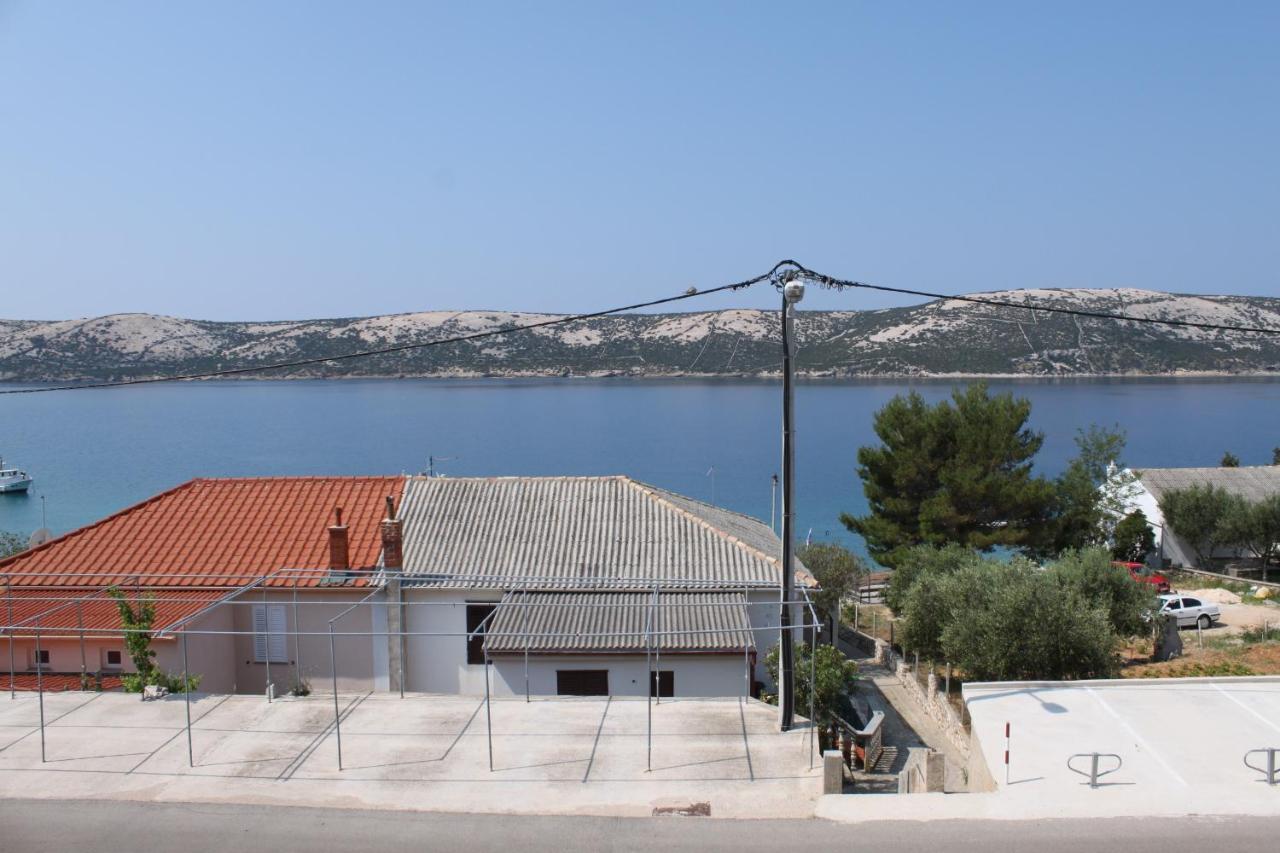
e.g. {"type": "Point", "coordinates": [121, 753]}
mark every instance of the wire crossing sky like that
{"type": "Point", "coordinates": [318, 159]}
{"type": "Point", "coordinates": [782, 272]}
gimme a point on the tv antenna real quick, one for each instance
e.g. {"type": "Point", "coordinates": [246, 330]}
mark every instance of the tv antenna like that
{"type": "Point", "coordinates": [432, 460]}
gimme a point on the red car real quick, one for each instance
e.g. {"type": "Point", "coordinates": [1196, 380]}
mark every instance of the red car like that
{"type": "Point", "coordinates": [1142, 574]}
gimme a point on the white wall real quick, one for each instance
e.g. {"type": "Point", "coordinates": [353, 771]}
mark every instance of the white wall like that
{"type": "Point", "coordinates": [693, 675]}
{"type": "Point", "coordinates": [1168, 544]}
{"type": "Point", "coordinates": [438, 664]}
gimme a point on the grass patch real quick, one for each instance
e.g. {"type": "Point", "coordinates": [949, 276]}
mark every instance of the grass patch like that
{"type": "Point", "coordinates": [1195, 669]}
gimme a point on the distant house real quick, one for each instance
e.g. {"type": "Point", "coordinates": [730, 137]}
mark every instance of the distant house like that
{"type": "Point", "coordinates": [579, 582]}
{"type": "Point", "coordinates": [1252, 483]}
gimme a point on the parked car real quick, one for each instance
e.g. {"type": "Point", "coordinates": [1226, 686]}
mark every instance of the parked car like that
{"type": "Point", "coordinates": [1142, 574]}
{"type": "Point", "coordinates": [1190, 611]}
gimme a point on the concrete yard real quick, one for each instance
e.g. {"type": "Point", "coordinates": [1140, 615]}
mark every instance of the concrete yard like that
{"type": "Point", "coordinates": [423, 752]}
{"type": "Point", "coordinates": [1181, 742]}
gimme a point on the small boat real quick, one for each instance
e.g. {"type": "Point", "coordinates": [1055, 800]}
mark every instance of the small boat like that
{"type": "Point", "coordinates": [13, 480]}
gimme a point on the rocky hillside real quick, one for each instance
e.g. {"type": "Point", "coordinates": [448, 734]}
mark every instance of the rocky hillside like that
{"type": "Point", "coordinates": [937, 338]}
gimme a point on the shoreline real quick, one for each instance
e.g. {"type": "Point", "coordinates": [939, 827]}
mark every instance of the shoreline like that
{"type": "Point", "coordinates": [604, 376]}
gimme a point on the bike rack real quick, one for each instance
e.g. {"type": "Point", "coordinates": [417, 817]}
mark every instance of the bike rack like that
{"type": "Point", "coordinates": [1093, 775]}
{"type": "Point", "coordinates": [1271, 773]}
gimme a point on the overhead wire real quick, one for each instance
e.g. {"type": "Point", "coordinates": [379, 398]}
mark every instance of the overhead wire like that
{"type": "Point", "coordinates": [779, 274]}
{"type": "Point", "coordinates": [691, 293]}
{"type": "Point", "coordinates": [833, 283]}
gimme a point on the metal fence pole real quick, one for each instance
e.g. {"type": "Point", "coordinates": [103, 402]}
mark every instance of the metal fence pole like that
{"type": "Point", "coordinates": [84, 669]}
{"type": "Point", "coordinates": [488, 716]}
{"type": "Point", "coordinates": [40, 689]}
{"type": "Point", "coordinates": [524, 618]}
{"type": "Point", "coordinates": [337, 716]}
{"type": "Point", "coordinates": [9, 595]}
{"type": "Point", "coordinates": [186, 692]}
{"type": "Point", "coordinates": [649, 691]}
{"type": "Point", "coordinates": [657, 650]}
{"type": "Point", "coordinates": [746, 646]}
{"type": "Point", "coordinates": [266, 626]}
{"type": "Point", "coordinates": [297, 638]}
{"type": "Point", "coordinates": [813, 679]}
{"type": "Point", "coordinates": [402, 617]}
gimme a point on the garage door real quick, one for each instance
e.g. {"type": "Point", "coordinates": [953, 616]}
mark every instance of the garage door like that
{"type": "Point", "coordinates": [582, 682]}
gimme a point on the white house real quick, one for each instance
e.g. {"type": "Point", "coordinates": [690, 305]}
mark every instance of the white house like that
{"type": "Point", "coordinates": [577, 586]}
{"type": "Point", "coordinates": [1252, 483]}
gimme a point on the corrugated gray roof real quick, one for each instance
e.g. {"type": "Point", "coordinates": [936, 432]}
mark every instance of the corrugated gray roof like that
{"type": "Point", "coordinates": [572, 532]}
{"type": "Point", "coordinates": [1253, 483]}
{"type": "Point", "coordinates": [616, 622]}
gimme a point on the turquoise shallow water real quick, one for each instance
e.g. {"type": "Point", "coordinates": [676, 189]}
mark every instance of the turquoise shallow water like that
{"type": "Point", "coordinates": [94, 452]}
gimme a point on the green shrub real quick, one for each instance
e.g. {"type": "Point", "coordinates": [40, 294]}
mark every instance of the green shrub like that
{"type": "Point", "coordinates": [133, 682]}
{"type": "Point", "coordinates": [1091, 573]}
{"type": "Point", "coordinates": [835, 676]}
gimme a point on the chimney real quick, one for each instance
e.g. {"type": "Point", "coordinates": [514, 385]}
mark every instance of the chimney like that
{"type": "Point", "coordinates": [392, 539]}
{"type": "Point", "coordinates": [338, 559]}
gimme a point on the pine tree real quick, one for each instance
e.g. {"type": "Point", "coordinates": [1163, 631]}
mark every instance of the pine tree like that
{"type": "Point", "coordinates": [956, 472]}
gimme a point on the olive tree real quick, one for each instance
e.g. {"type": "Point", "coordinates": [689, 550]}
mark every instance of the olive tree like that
{"type": "Point", "coordinates": [837, 570]}
{"type": "Point", "coordinates": [1197, 514]}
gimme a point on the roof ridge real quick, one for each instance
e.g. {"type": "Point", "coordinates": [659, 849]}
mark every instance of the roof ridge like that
{"type": "Point", "coordinates": [87, 527]}
{"type": "Point", "coordinates": [716, 507]}
{"type": "Point", "coordinates": [652, 492]}
{"type": "Point", "coordinates": [297, 478]}
{"type": "Point", "coordinates": [424, 477]}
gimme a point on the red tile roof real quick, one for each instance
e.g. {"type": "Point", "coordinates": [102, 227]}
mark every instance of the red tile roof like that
{"type": "Point", "coordinates": [61, 612]}
{"type": "Point", "coordinates": [217, 533]}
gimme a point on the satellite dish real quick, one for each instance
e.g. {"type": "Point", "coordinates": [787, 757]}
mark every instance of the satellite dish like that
{"type": "Point", "coordinates": [40, 537]}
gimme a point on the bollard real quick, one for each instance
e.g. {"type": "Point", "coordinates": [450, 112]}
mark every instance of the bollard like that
{"type": "Point", "coordinates": [832, 772]}
{"type": "Point", "coordinates": [1094, 773]}
{"type": "Point", "coordinates": [1272, 762]}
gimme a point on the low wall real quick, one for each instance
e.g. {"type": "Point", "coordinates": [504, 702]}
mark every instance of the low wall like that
{"type": "Point", "coordinates": [931, 701]}
{"type": "Point", "coordinates": [1233, 578]}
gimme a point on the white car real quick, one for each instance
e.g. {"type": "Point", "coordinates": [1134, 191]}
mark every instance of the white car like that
{"type": "Point", "coordinates": [1190, 611]}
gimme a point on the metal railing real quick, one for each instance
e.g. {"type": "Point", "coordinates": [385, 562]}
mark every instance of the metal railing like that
{"type": "Point", "coordinates": [1093, 774]}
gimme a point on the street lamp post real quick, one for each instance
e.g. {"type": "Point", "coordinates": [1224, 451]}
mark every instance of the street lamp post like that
{"type": "Point", "coordinates": [792, 293]}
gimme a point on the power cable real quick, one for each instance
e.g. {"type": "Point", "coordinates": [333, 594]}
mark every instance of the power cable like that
{"type": "Point", "coordinates": [832, 283]}
{"type": "Point", "coordinates": [780, 273]}
{"type": "Point", "coordinates": [282, 365]}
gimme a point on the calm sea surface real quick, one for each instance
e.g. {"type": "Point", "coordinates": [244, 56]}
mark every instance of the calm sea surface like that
{"type": "Point", "coordinates": [94, 452]}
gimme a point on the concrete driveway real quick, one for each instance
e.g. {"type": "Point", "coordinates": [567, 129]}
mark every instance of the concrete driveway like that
{"type": "Point", "coordinates": [550, 756]}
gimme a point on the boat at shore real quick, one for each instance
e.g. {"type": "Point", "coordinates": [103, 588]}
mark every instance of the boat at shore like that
{"type": "Point", "coordinates": [13, 479]}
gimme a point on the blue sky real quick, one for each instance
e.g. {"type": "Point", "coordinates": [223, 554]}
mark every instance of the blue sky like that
{"type": "Point", "coordinates": [305, 159]}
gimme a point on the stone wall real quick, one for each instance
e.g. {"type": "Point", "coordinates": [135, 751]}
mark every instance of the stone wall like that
{"type": "Point", "coordinates": [932, 701]}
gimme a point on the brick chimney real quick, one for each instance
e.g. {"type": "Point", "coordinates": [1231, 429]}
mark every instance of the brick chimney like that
{"type": "Point", "coordinates": [338, 557]}
{"type": "Point", "coordinates": [392, 539]}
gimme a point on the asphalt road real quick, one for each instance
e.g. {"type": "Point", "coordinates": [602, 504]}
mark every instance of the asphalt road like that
{"type": "Point", "coordinates": [110, 826]}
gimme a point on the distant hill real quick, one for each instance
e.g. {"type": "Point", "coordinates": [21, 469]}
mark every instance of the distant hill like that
{"type": "Point", "coordinates": [935, 339]}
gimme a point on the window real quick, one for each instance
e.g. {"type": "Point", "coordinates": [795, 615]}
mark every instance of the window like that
{"type": "Point", "coordinates": [111, 658]}
{"type": "Point", "coordinates": [476, 614]}
{"type": "Point", "coordinates": [582, 682]}
{"type": "Point", "coordinates": [1190, 602]}
{"type": "Point", "coordinates": [1174, 604]}
{"type": "Point", "coordinates": [662, 684]}
{"type": "Point", "coordinates": [268, 633]}
{"type": "Point", "coordinates": [40, 659]}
